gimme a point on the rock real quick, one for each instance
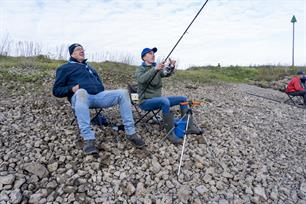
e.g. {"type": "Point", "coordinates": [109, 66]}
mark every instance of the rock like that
{"type": "Point", "coordinates": [43, 201]}
{"type": "Point", "coordinates": [51, 197]}
{"type": "Point", "coordinates": [62, 158]}
{"type": "Point", "coordinates": [7, 180]}
{"type": "Point", "coordinates": [184, 193]}
{"type": "Point", "coordinates": [16, 196]}
{"type": "Point", "coordinates": [210, 170]}
{"type": "Point", "coordinates": [69, 189]}
{"type": "Point", "coordinates": [207, 178]}
{"type": "Point", "coordinates": [36, 169]}
{"type": "Point", "coordinates": [130, 189]}
{"type": "Point", "coordinates": [156, 166]}
{"type": "Point", "coordinates": [35, 198]}
{"type": "Point", "coordinates": [303, 187]}
{"type": "Point", "coordinates": [71, 198]}
{"type": "Point", "coordinates": [249, 191]}
{"type": "Point", "coordinates": [3, 196]}
{"type": "Point", "coordinates": [70, 172]}
{"type": "Point", "coordinates": [147, 200]}
{"type": "Point", "coordinates": [201, 189]}
{"type": "Point", "coordinates": [169, 184]}
{"type": "Point", "coordinates": [99, 200]}
{"type": "Point", "coordinates": [52, 185]}
{"type": "Point", "coordinates": [37, 144]}
{"type": "Point", "coordinates": [259, 191]}
{"type": "Point", "coordinates": [219, 185]}
{"type": "Point", "coordinates": [52, 167]}
{"type": "Point", "coordinates": [199, 165]}
{"type": "Point", "coordinates": [117, 173]}
{"type": "Point", "coordinates": [165, 200]}
{"type": "Point", "coordinates": [274, 194]}
{"type": "Point", "coordinates": [223, 201]}
{"type": "Point", "coordinates": [227, 175]}
{"type": "Point", "coordinates": [294, 195]}
{"type": "Point", "coordinates": [284, 190]}
{"type": "Point", "coordinates": [140, 189]}
{"type": "Point", "coordinates": [19, 182]}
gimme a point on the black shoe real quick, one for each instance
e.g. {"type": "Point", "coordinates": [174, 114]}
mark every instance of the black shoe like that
{"type": "Point", "coordinates": [135, 140]}
{"type": "Point", "coordinates": [89, 147]}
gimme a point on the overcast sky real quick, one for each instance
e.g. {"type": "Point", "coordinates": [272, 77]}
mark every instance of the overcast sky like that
{"type": "Point", "coordinates": [229, 32]}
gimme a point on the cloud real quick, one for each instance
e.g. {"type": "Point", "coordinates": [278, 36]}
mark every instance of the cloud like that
{"type": "Point", "coordinates": [227, 32]}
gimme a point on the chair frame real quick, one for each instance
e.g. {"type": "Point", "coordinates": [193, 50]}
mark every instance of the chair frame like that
{"type": "Point", "coordinates": [97, 110]}
{"type": "Point", "coordinates": [155, 112]}
{"type": "Point", "coordinates": [291, 99]}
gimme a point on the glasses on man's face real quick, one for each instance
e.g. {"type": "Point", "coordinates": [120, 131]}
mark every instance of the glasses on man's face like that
{"type": "Point", "coordinates": [79, 49]}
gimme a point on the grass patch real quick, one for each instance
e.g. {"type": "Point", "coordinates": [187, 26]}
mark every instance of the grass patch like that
{"type": "Point", "coordinates": [236, 74]}
{"type": "Point", "coordinates": [38, 68]}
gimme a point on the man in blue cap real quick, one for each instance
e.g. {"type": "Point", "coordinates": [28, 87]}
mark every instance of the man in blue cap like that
{"type": "Point", "coordinates": [84, 89]}
{"type": "Point", "coordinates": [149, 77]}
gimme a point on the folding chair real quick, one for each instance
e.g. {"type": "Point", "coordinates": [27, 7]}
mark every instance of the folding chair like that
{"type": "Point", "coordinates": [132, 89]}
{"type": "Point", "coordinates": [294, 98]}
{"type": "Point", "coordinates": [95, 117]}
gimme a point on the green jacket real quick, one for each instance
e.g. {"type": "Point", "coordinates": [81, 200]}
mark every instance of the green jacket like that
{"type": "Point", "coordinates": [144, 74]}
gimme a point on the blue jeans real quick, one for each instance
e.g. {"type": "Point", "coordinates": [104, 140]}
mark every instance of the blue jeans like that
{"type": "Point", "coordinates": [82, 101]}
{"type": "Point", "coordinates": [162, 102]}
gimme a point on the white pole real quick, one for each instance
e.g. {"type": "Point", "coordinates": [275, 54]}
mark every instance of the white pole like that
{"type": "Point", "coordinates": [185, 138]}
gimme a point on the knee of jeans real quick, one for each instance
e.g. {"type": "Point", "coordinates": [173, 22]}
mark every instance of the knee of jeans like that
{"type": "Point", "coordinates": [165, 101]}
{"type": "Point", "coordinates": [124, 93]}
{"type": "Point", "coordinates": [81, 95]}
{"type": "Point", "coordinates": [184, 98]}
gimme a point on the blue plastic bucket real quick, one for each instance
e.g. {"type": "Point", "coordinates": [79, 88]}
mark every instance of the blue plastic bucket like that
{"type": "Point", "coordinates": [180, 126]}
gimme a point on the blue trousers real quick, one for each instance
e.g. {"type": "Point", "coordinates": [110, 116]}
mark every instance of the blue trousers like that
{"type": "Point", "coordinates": [163, 102]}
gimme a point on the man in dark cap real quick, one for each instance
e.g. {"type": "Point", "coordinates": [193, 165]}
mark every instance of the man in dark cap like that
{"type": "Point", "coordinates": [295, 87]}
{"type": "Point", "coordinates": [84, 89]}
{"type": "Point", "coordinates": [149, 77]}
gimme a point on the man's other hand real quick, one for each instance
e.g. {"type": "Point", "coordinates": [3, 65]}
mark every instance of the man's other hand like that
{"type": "Point", "coordinates": [75, 88]}
{"type": "Point", "coordinates": [160, 66]}
{"type": "Point", "coordinates": [172, 62]}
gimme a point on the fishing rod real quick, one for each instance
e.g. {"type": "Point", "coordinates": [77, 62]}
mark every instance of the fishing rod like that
{"type": "Point", "coordinates": [175, 46]}
{"type": "Point", "coordinates": [271, 99]}
{"type": "Point", "coordinates": [259, 96]}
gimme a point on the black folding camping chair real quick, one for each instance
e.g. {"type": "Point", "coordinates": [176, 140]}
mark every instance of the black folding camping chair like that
{"type": "Point", "coordinates": [294, 98]}
{"type": "Point", "coordinates": [95, 119]}
{"type": "Point", "coordinates": [147, 115]}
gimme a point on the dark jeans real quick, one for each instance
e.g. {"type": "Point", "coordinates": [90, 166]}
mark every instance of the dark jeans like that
{"type": "Point", "coordinates": [162, 102]}
{"type": "Point", "coordinates": [299, 93]}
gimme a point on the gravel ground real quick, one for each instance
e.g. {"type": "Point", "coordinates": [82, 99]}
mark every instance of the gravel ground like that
{"type": "Point", "coordinates": [253, 151]}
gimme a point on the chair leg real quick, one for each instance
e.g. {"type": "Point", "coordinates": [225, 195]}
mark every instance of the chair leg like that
{"type": "Point", "coordinates": [76, 122]}
{"type": "Point", "coordinates": [138, 111]}
{"type": "Point", "coordinates": [291, 98]}
{"type": "Point", "coordinates": [142, 117]}
{"type": "Point", "coordinates": [96, 115]}
{"type": "Point", "coordinates": [156, 116]}
{"type": "Point", "coordinates": [295, 102]}
{"type": "Point", "coordinates": [72, 121]}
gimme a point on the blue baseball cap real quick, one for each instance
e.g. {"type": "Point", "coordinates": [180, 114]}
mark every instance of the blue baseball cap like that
{"type": "Point", "coordinates": [147, 50]}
